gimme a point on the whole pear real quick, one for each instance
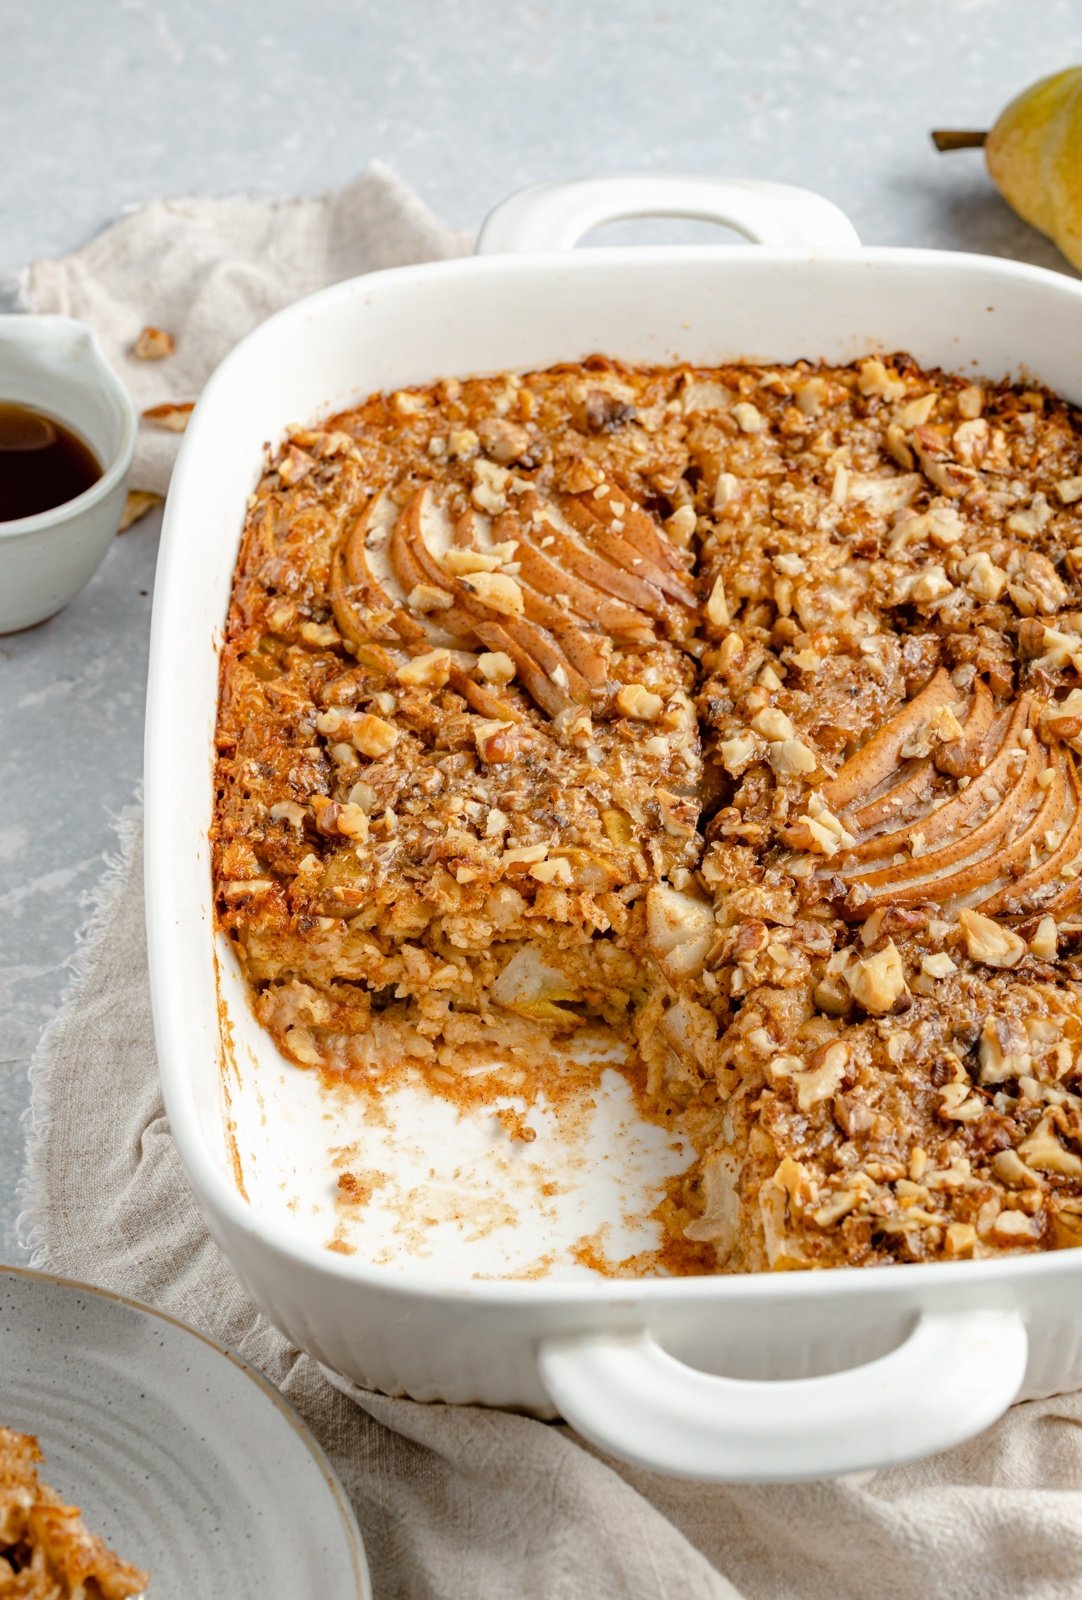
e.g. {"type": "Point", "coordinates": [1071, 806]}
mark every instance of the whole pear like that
{"type": "Point", "coordinates": [1034, 154]}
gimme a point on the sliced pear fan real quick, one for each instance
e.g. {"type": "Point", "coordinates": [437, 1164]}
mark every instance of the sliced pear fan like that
{"type": "Point", "coordinates": [421, 535]}
{"type": "Point", "coordinates": [576, 583]}
{"type": "Point", "coordinates": [991, 819]}
{"type": "Point", "coordinates": [1046, 875]}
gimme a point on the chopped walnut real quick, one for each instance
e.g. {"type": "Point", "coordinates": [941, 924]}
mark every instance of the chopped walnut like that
{"type": "Point", "coordinates": [791, 758]}
{"type": "Point", "coordinates": [988, 942]}
{"type": "Point", "coordinates": [153, 344]}
{"type": "Point", "coordinates": [490, 484]}
{"type": "Point", "coordinates": [918, 410]}
{"type": "Point", "coordinates": [877, 982]}
{"type": "Point", "coordinates": [424, 597]}
{"type": "Point", "coordinates": [431, 670]}
{"type": "Point", "coordinates": [295, 466]}
{"type": "Point", "coordinates": [288, 811]}
{"type": "Point", "coordinates": [495, 740]}
{"type": "Point", "coordinates": [461, 562]}
{"type": "Point", "coordinates": [462, 443]}
{"type": "Point", "coordinates": [495, 667]}
{"type": "Point", "coordinates": [497, 591]}
{"type": "Point", "coordinates": [173, 417]}
{"type": "Point", "coordinates": [352, 821]}
{"type": "Point", "coordinates": [320, 635]}
{"type": "Point", "coordinates": [634, 700]}
{"type": "Point", "coordinates": [818, 1079]}
{"type": "Point", "coordinates": [372, 736]}
{"type": "Point", "coordinates": [809, 396]}
{"type": "Point", "coordinates": [1044, 1151]}
{"type": "Point", "coordinates": [876, 380]}
{"type": "Point", "coordinates": [931, 584]}
{"type": "Point", "coordinates": [1003, 1051]}
{"type": "Point", "coordinates": [737, 752]}
{"type": "Point", "coordinates": [502, 440]}
{"type": "Point", "coordinates": [717, 609]}
{"type": "Point", "coordinates": [1032, 519]}
{"type": "Point", "coordinates": [982, 577]}
{"type": "Point", "coordinates": [681, 525]}
{"type": "Point", "coordinates": [773, 724]}
{"type": "Point", "coordinates": [137, 504]}
{"type": "Point", "coordinates": [747, 417]}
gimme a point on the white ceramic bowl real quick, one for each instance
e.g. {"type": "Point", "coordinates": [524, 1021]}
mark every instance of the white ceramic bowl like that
{"type": "Point", "coordinates": [55, 365]}
{"type": "Point", "coordinates": [770, 1376]}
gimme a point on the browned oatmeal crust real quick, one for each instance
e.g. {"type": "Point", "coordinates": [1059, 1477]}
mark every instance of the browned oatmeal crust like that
{"type": "Point", "coordinates": [46, 1552]}
{"type": "Point", "coordinates": [736, 710]}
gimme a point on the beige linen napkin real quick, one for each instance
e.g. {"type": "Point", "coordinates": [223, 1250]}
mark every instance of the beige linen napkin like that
{"type": "Point", "coordinates": [209, 271]}
{"type": "Point", "coordinates": [454, 1503]}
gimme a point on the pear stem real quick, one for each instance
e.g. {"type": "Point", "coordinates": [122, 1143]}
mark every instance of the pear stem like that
{"type": "Point", "coordinates": [949, 139]}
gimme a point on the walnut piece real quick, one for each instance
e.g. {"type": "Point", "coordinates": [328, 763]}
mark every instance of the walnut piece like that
{"type": "Point", "coordinates": [635, 700]}
{"type": "Point", "coordinates": [153, 344]}
{"type": "Point", "coordinates": [877, 982]}
{"type": "Point", "coordinates": [173, 416]}
{"type": "Point", "coordinates": [495, 667]}
{"type": "Point", "coordinates": [430, 670]}
{"type": "Point", "coordinates": [372, 736]}
{"type": "Point", "coordinates": [791, 758]}
{"type": "Point", "coordinates": [137, 504]}
{"type": "Point", "coordinates": [987, 941]}
{"type": "Point", "coordinates": [497, 591]}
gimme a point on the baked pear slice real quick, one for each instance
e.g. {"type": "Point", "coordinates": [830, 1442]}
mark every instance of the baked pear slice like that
{"type": "Point", "coordinates": [877, 762]}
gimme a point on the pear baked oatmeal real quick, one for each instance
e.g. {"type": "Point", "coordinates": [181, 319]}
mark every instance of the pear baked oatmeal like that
{"type": "Point", "coordinates": [735, 711]}
{"type": "Point", "coordinates": [46, 1550]}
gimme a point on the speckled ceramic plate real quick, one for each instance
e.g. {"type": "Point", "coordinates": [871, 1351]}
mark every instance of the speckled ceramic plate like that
{"type": "Point", "coordinates": [182, 1456]}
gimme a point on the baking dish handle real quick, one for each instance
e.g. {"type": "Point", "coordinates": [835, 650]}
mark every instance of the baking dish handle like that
{"type": "Point", "coordinates": [953, 1375]}
{"type": "Point", "coordinates": [555, 216]}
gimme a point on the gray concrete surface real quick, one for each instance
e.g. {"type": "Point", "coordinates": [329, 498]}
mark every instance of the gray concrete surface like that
{"type": "Point", "coordinates": [104, 103]}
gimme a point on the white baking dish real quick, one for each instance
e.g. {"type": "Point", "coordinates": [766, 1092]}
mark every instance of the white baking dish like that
{"type": "Point", "coordinates": [755, 1378]}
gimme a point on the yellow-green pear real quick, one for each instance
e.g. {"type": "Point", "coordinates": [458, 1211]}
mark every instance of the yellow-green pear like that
{"type": "Point", "coordinates": [1034, 154]}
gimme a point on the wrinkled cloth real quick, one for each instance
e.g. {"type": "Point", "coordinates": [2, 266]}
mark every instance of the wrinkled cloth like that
{"type": "Point", "coordinates": [455, 1503]}
{"type": "Point", "coordinates": [209, 271]}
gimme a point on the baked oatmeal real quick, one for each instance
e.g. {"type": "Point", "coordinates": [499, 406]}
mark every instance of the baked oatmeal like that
{"type": "Point", "coordinates": [46, 1552]}
{"type": "Point", "coordinates": [735, 711]}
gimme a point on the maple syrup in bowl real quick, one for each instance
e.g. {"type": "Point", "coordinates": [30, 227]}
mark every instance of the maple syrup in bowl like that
{"type": "Point", "coordinates": [67, 434]}
{"type": "Point", "coordinates": [43, 463]}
